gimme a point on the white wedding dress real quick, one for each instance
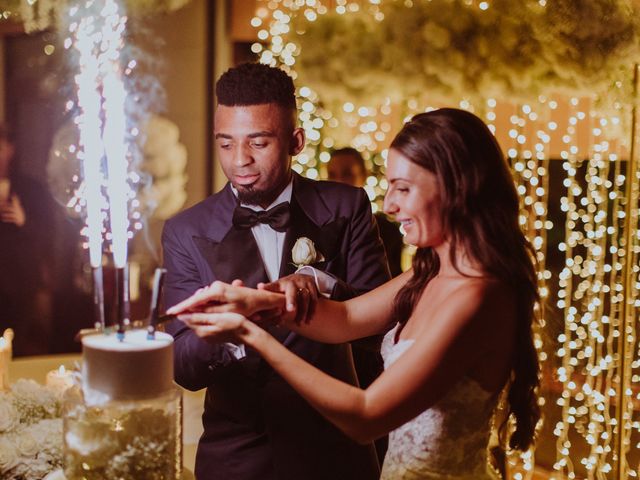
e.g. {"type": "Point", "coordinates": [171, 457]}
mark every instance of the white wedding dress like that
{"type": "Point", "coordinates": [448, 440]}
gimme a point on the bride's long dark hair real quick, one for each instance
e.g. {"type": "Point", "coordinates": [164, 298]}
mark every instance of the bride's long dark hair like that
{"type": "Point", "coordinates": [480, 211]}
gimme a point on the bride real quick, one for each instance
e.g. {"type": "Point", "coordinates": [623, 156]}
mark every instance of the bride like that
{"type": "Point", "coordinates": [458, 323]}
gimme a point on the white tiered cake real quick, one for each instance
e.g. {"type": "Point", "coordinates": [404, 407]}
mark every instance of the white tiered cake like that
{"type": "Point", "coordinates": [125, 421]}
{"type": "Point", "coordinates": [131, 369]}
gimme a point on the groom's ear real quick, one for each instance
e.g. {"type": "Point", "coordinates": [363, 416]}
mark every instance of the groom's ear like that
{"type": "Point", "coordinates": [297, 141]}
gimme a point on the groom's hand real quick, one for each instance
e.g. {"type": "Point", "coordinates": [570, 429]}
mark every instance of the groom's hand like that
{"type": "Point", "coordinates": [220, 297]}
{"type": "Point", "coordinates": [300, 292]}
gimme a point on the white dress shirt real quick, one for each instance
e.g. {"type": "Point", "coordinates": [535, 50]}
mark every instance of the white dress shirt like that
{"type": "Point", "coordinates": [270, 242]}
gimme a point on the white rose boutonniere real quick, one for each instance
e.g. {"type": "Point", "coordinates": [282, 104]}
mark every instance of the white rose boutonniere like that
{"type": "Point", "coordinates": [304, 253]}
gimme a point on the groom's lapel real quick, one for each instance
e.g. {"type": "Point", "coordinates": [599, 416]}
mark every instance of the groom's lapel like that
{"type": "Point", "coordinates": [311, 218]}
{"type": "Point", "coordinates": [235, 257]}
{"type": "Point", "coordinates": [301, 226]}
{"type": "Point", "coordinates": [231, 253]}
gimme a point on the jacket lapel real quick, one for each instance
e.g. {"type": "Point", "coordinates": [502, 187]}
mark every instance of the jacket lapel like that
{"type": "Point", "coordinates": [235, 257]}
{"type": "Point", "coordinates": [301, 226]}
{"type": "Point", "coordinates": [230, 253]}
{"type": "Point", "coordinates": [310, 218]}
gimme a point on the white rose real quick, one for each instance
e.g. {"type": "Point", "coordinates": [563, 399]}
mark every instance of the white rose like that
{"type": "Point", "coordinates": [8, 414]}
{"type": "Point", "coordinates": [30, 392]}
{"type": "Point", "coordinates": [24, 387]}
{"type": "Point", "coordinates": [27, 445]}
{"type": "Point", "coordinates": [8, 455]}
{"type": "Point", "coordinates": [56, 475]}
{"type": "Point", "coordinates": [49, 434]}
{"type": "Point", "coordinates": [304, 252]}
{"type": "Point", "coordinates": [37, 468]}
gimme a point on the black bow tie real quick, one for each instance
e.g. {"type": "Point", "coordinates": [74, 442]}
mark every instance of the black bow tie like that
{"type": "Point", "coordinates": [277, 217]}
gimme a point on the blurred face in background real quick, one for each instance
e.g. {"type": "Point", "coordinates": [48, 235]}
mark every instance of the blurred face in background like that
{"type": "Point", "coordinates": [346, 168]}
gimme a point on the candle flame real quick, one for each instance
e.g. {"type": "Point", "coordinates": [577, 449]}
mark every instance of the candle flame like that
{"type": "Point", "coordinates": [61, 370]}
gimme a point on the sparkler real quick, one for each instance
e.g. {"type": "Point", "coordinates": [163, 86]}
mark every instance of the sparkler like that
{"type": "Point", "coordinates": [114, 96]}
{"type": "Point", "coordinates": [154, 316]}
{"type": "Point", "coordinates": [98, 37]}
{"type": "Point", "coordinates": [87, 81]}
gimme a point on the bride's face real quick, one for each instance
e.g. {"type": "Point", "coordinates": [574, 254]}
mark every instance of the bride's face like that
{"type": "Point", "coordinates": [413, 198]}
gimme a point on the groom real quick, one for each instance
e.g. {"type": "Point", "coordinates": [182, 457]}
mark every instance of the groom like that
{"type": "Point", "coordinates": [255, 426]}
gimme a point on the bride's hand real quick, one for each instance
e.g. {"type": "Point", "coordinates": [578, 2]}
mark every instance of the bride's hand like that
{"type": "Point", "coordinates": [220, 327]}
{"type": "Point", "coordinates": [220, 297]}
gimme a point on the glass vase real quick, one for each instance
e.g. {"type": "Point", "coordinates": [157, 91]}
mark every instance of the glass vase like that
{"type": "Point", "coordinates": [123, 439]}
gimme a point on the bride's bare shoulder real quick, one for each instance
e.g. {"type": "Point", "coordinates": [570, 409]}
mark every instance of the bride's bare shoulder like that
{"type": "Point", "coordinates": [466, 298]}
{"type": "Point", "coordinates": [488, 293]}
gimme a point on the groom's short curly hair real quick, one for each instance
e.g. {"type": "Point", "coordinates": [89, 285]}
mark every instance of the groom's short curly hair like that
{"type": "Point", "coordinates": [255, 84]}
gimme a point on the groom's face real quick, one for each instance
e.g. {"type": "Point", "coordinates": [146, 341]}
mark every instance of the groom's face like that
{"type": "Point", "coordinates": [255, 144]}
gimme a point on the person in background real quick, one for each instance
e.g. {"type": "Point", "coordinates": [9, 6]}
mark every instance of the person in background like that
{"type": "Point", "coordinates": [25, 227]}
{"type": "Point", "coordinates": [347, 166]}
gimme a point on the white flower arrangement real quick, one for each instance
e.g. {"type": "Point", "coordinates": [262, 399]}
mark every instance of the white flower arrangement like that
{"type": "Point", "coordinates": [162, 167]}
{"type": "Point", "coordinates": [31, 436]}
{"type": "Point", "coordinates": [451, 49]}
{"type": "Point", "coordinates": [164, 160]}
{"type": "Point", "coordinates": [30, 432]}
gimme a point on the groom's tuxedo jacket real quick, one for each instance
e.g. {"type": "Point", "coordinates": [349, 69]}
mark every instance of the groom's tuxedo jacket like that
{"type": "Point", "coordinates": [256, 427]}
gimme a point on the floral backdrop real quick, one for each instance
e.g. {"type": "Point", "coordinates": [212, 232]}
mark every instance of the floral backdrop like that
{"type": "Point", "coordinates": [516, 49]}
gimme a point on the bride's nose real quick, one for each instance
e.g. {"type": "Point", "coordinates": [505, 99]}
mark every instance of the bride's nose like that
{"type": "Point", "coordinates": [389, 206]}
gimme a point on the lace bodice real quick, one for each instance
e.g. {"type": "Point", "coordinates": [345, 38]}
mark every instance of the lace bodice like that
{"type": "Point", "coordinates": [448, 440]}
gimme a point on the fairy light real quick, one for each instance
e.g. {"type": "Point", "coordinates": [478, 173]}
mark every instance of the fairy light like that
{"type": "Point", "coordinates": [491, 114]}
{"type": "Point", "coordinates": [565, 372]}
{"type": "Point", "coordinates": [273, 21]}
{"type": "Point", "coordinates": [528, 153]}
{"type": "Point", "coordinates": [590, 289]}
